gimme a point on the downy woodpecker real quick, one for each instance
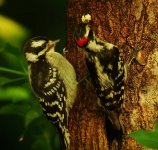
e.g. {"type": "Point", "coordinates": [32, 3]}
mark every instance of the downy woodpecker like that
{"type": "Point", "coordinates": [53, 80]}
{"type": "Point", "coordinates": [106, 69]}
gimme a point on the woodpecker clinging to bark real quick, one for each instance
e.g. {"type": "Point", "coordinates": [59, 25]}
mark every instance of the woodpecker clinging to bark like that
{"type": "Point", "coordinates": [53, 79]}
{"type": "Point", "coordinates": [106, 69]}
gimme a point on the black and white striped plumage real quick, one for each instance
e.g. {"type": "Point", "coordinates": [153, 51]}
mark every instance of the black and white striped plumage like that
{"type": "Point", "coordinates": [53, 80]}
{"type": "Point", "coordinates": [106, 69]}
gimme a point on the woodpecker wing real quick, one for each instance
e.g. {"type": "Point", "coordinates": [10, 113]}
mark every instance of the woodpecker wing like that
{"type": "Point", "coordinates": [49, 87]}
{"type": "Point", "coordinates": [104, 68]}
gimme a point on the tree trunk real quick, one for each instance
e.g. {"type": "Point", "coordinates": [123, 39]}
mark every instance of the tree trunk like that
{"type": "Point", "coordinates": [132, 26]}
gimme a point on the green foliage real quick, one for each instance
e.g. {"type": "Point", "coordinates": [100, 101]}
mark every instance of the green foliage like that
{"type": "Point", "coordinates": [16, 109]}
{"type": "Point", "coordinates": [30, 130]}
{"type": "Point", "coordinates": [22, 123]}
{"type": "Point", "coordinates": [40, 135]}
{"type": "Point", "coordinates": [14, 93]}
{"type": "Point", "coordinates": [147, 138]}
{"type": "Point", "coordinates": [11, 31]}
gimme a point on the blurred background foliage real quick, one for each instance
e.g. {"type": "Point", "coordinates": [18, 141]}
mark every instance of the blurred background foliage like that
{"type": "Point", "coordinates": [22, 123]}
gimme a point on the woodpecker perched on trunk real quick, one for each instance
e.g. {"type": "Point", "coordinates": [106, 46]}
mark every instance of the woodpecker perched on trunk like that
{"type": "Point", "coordinates": [106, 69]}
{"type": "Point", "coordinates": [53, 80]}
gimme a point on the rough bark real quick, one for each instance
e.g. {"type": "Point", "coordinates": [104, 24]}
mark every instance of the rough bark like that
{"type": "Point", "coordinates": [132, 26]}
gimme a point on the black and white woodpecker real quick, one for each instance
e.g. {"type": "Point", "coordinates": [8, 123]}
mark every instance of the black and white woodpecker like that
{"type": "Point", "coordinates": [106, 69]}
{"type": "Point", "coordinates": [53, 80]}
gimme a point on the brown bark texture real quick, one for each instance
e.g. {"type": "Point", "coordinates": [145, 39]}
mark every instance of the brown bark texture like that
{"type": "Point", "coordinates": [132, 25]}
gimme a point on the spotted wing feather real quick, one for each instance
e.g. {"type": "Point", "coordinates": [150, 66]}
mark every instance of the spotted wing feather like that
{"type": "Point", "coordinates": [107, 73]}
{"type": "Point", "coordinates": [52, 94]}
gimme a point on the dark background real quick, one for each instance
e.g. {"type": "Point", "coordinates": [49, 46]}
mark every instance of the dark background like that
{"type": "Point", "coordinates": [22, 123]}
{"type": "Point", "coordinates": [41, 17]}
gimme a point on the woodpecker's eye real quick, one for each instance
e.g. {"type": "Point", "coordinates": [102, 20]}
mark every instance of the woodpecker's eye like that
{"type": "Point", "coordinates": [82, 41]}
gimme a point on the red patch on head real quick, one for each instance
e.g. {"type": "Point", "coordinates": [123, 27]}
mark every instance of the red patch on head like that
{"type": "Point", "coordinates": [82, 42]}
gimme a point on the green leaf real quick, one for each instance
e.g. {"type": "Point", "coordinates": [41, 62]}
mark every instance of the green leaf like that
{"type": "Point", "coordinates": [13, 54]}
{"type": "Point", "coordinates": [42, 142]}
{"type": "Point", "coordinates": [11, 49]}
{"type": "Point", "coordinates": [146, 138]}
{"type": "Point", "coordinates": [8, 70]}
{"type": "Point", "coordinates": [16, 109]}
{"type": "Point", "coordinates": [14, 93]}
{"type": "Point", "coordinates": [40, 135]}
{"type": "Point", "coordinates": [12, 57]}
{"type": "Point", "coordinates": [12, 32]}
{"type": "Point", "coordinates": [156, 127]}
{"type": "Point", "coordinates": [6, 81]}
{"type": "Point", "coordinates": [30, 116]}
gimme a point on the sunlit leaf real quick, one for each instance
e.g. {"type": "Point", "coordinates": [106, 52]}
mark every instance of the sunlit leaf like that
{"type": "Point", "coordinates": [14, 93]}
{"type": "Point", "coordinates": [146, 138]}
{"type": "Point", "coordinates": [16, 109]}
{"type": "Point", "coordinates": [11, 31]}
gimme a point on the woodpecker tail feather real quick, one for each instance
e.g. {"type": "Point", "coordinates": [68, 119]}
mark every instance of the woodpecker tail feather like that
{"type": "Point", "coordinates": [114, 129]}
{"type": "Point", "coordinates": [64, 137]}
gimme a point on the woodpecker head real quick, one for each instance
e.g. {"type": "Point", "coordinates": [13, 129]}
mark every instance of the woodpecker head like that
{"type": "Point", "coordinates": [83, 32]}
{"type": "Point", "coordinates": [37, 47]}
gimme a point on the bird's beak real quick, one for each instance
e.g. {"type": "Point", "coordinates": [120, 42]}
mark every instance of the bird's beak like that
{"type": "Point", "coordinates": [52, 44]}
